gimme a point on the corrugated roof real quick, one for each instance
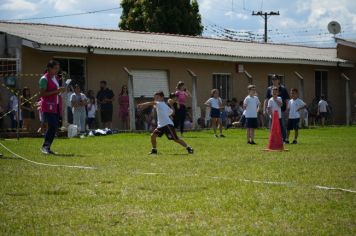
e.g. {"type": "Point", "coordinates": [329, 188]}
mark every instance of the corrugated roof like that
{"type": "Point", "coordinates": [56, 35]}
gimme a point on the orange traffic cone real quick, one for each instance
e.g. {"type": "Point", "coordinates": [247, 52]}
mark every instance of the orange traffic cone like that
{"type": "Point", "coordinates": [275, 142]}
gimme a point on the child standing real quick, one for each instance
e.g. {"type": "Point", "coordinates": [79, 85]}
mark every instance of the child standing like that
{"type": "Point", "coordinates": [215, 103]}
{"type": "Point", "coordinates": [91, 110]}
{"type": "Point", "coordinates": [323, 109]}
{"type": "Point", "coordinates": [251, 106]}
{"type": "Point", "coordinates": [295, 105]}
{"type": "Point", "coordinates": [79, 102]}
{"type": "Point", "coordinates": [274, 104]}
{"type": "Point", "coordinates": [165, 124]}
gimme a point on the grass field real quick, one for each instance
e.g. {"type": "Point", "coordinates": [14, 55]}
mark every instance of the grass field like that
{"type": "Point", "coordinates": [208, 193]}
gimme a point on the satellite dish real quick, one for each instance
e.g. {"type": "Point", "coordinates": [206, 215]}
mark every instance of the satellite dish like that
{"type": "Point", "coordinates": [334, 27]}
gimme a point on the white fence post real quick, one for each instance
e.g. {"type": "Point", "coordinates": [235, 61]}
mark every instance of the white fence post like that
{"type": "Point", "coordinates": [131, 100]}
{"type": "Point", "coordinates": [194, 98]}
{"type": "Point", "coordinates": [347, 96]}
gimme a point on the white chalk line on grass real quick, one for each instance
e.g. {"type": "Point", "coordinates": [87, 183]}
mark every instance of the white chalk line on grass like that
{"type": "Point", "coordinates": [333, 188]}
{"type": "Point", "coordinates": [260, 182]}
{"type": "Point", "coordinates": [46, 164]}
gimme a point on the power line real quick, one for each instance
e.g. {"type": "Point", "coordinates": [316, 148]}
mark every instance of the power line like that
{"type": "Point", "coordinates": [65, 15]}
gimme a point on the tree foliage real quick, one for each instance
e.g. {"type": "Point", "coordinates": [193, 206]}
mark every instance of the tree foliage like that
{"type": "Point", "coordinates": [164, 16]}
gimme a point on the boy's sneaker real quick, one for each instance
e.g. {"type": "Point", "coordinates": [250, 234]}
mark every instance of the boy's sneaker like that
{"type": "Point", "coordinates": [295, 142]}
{"type": "Point", "coordinates": [190, 150]}
{"type": "Point", "coordinates": [248, 142]}
{"type": "Point", "coordinates": [153, 152]}
{"type": "Point", "coordinates": [222, 136]}
{"type": "Point", "coordinates": [52, 152]}
{"type": "Point", "coordinates": [253, 143]}
{"type": "Point", "coordinates": [45, 150]}
{"type": "Point", "coordinates": [286, 142]}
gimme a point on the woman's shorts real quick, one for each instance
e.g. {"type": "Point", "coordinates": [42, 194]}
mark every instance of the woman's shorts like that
{"type": "Point", "coordinates": [215, 113]}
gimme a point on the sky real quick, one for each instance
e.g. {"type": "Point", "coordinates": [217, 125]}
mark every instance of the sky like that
{"type": "Point", "coordinates": [300, 21]}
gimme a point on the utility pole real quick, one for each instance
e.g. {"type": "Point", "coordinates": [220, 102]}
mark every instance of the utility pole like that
{"type": "Point", "coordinates": [265, 16]}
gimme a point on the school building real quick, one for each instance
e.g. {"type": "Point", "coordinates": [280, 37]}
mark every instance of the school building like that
{"type": "Point", "coordinates": [151, 61]}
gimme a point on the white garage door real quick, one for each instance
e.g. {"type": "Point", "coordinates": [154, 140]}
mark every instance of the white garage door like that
{"type": "Point", "coordinates": [147, 82]}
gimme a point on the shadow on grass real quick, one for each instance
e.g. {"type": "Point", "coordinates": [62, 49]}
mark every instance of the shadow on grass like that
{"type": "Point", "coordinates": [9, 158]}
{"type": "Point", "coordinates": [68, 155]}
{"type": "Point", "coordinates": [19, 194]}
{"type": "Point", "coordinates": [55, 192]}
{"type": "Point", "coordinates": [177, 154]}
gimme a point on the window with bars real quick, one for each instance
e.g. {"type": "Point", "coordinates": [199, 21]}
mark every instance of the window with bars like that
{"type": "Point", "coordinates": [223, 83]}
{"type": "Point", "coordinates": [8, 71]}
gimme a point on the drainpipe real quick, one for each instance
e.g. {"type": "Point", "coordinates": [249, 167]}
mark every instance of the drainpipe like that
{"type": "Point", "coordinates": [248, 76]}
{"type": "Point", "coordinates": [194, 98]}
{"type": "Point", "coordinates": [18, 71]}
{"type": "Point", "coordinates": [347, 96]}
{"type": "Point", "coordinates": [301, 84]}
{"type": "Point", "coordinates": [131, 99]}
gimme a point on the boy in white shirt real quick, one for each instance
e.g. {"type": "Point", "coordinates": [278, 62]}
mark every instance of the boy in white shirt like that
{"type": "Point", "coordinates": [164, 123]}
{"type": "Point", "coordinates": [323, 109]}
{"type": "Point", "coordinates": [274, 104]}
{"type": "Point", "coordinates": [215, 103]}
{"type": "Point", "coordinates": [251, 106]}
{"type": "Point", "coordinates": [295, 105]}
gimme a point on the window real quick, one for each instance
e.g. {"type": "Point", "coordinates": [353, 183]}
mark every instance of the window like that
{"type": "Point", "coordinates": [147, 82]}
{"type": "Point", "coordinates": [75, 69]}
{"type": "Point", "coordinates": [321, 83]}
{"type": "Point", "coordinates": [223, 83]}
{"type": "Point", "coordinates": [281, 79]}
{"type": "Point", "coordinates": [8, 71]}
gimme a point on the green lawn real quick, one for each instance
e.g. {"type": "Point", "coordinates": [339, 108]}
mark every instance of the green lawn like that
{"type": "Point", "coordinates": [174, 193]}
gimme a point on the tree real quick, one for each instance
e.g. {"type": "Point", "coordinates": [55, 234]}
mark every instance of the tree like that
{"type": "Point", "coordinates": [163, 16]}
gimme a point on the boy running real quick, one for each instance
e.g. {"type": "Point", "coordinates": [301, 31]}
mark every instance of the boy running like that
{"type": "Point", "coordinates": [164, 123]}
{"type": "Point", "coordinates": [295, 105]}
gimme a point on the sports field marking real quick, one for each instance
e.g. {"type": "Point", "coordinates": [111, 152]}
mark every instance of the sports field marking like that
{"type": "Point", "coordinates": [45, 164]}
{"type": "Point", "coordinates": [259, 182]}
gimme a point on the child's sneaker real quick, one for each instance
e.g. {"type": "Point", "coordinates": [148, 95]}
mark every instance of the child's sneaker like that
{"type": "Point", "coordinates": [253, 143]}
{"type": "Point", "coordinates": [190, 150]}
{"type": "Point", "coordinates": [295, 142]}
{"type": "Point", "coordinates": [153, 152]}
{"type": "Point", "coordinates": [52, 152]}
{"type": "Point", "coordinates": [286, 141]}
{"type": "Point", "coordinates": [45, 150]}
{"type": "Point", "coordinates": [222, 136]}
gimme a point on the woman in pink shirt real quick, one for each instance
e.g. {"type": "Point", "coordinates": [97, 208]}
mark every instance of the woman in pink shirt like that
{"type": "Point", "coordinates": [124, 107]}
{"type": "Point", "coordinates": [182, 94]}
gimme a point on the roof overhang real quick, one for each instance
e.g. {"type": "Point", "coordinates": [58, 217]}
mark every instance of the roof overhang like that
{"type": "Point", "coordinates": [123, 52]}
{"type": "Point", "coordinates": [346, 42]}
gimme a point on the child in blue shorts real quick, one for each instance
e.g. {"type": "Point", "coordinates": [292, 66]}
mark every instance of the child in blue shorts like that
{"type": "Point", "coordinates": [215, 103]}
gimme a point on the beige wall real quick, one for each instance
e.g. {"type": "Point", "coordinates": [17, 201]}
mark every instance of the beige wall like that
{"type": "Point", "coordinates": [349, 53]}
{"type": "Point", "coordinates": [109, 68]}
